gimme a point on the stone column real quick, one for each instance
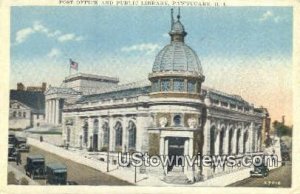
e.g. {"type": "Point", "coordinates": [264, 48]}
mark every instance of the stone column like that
{"type": "Point", "coordinates": [125, 135]}
{"type": "Point", "coordinates": [53, 111]}
{"type": "Point", "coordinates": [186, 152]}
{"type": "Point", "coordinates": [226, 141]}
{"type": "Point", "coordinates": [57, 111]}
{"type": "Point", "coordinates": [217, 141]}
{"type": "Point", "coordinates": [50, 111]}
{"type": "Point", "coordinates": [111, 134]}
{"type": "Point", "coordinates": [46, 109]}
{"type": "Point", "coordinates": [206, 139]}
{"type": "Point", "coordinates": [162, 146]}
{"type": "Point", "coordinates": [242, 140]}
{"type": "Point", "coordinates": [233, 142]}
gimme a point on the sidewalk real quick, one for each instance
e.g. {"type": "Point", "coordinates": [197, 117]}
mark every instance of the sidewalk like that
{"type": "Point", "coordinates": [118, 172]}
{"type": "Point", "coordinates": [19, 175]}
{"type": "Point", "coordinates": [127, 174]}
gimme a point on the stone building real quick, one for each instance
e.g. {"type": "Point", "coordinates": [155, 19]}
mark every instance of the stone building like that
{"type": "Point", "coordinates": [26, 109]}
{"type": "Point", "coordinates": [171, 114]}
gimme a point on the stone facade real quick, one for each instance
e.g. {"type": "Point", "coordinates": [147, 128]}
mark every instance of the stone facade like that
{"type": "Point", "coordinates": [173, 114]}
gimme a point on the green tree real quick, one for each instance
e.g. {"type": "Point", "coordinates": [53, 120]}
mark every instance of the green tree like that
{"type": "Point", "coordinates": [281, 129]}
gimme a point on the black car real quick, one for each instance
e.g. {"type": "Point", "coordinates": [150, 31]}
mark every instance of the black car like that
{"type": "Point", "coordinates": [260, 171]}
{"type": "Point", "coordinates": [35, 166]}
{"type": "Point", "coordinates": [21, 144]}
{"type": "Point", "coordinates": [12, 152]}
{"type": "Point", "coordinates": [56, 174]}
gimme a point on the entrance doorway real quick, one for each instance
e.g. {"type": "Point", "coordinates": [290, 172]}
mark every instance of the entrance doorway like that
{"type": "Point", "coordinates": [176, 150]}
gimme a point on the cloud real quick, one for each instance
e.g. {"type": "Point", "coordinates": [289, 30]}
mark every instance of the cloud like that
{"type": "Point", "coordinates": [147, 48]}
{"type": "Point", "coordinates": [270, 16]}
{"type": "Point", "coordinates": [54, 53]}
{"type": "Point", "coordinates": [69, 37]}
{"type": "Point", "coordinates": [23, 34]}
{"type": "Point", "coordinates": [37, 27]}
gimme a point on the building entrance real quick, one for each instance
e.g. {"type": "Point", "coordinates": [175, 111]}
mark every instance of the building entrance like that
{"type": "Point", "coordinates": [176, 150]}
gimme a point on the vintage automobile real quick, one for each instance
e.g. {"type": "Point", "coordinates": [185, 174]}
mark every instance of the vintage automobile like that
{"type": "Point", "coordinates": [21, 144]}
{"type": "Point", "coordinates": [11, 138]}
{"type": "Point", "coordinates": [56, 174]}
{"type": "Point", "coordinates": [12, 152]}
{"type": "Point", "coordinates": [260, 171]}
{"type": "Point", "coordinates": [35, 166]}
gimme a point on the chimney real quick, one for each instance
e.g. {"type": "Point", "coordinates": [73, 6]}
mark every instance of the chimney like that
{"type": "Point", "coordinates": [20, 86]}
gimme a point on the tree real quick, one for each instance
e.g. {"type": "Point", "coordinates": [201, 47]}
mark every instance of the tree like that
{"type": "Point", "coordinates": [281, 129]}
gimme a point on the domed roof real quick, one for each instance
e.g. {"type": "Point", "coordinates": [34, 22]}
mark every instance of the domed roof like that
{"type": "Point", "coordinates": [177, 56]}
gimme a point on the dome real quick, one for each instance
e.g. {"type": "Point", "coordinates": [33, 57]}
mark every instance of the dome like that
{"type": "Point", "coordinates": [177, 28]}
{"type": "Point", "coordinates": [177, 56]}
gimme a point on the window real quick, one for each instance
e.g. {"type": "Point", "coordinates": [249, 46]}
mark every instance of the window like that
{"type": "Point", "coordinates": [131, 135]}
{"type": "Point", "coordinates": [191, 86]}
{"type": "Point", "coordinates": [37, 116]}
{"type": "Point", "coordinates": [105, 134]}
{"type": "Point", "coordinates": [177, 120]}
{"type": "Point", "coordinates": [155, 86]}
{"type": "Point", "coordinates": [85, 132]}
{"type": "Point", "coordinates": [119, 131]}
{"type": "Point", "coordinates": [165, 85]}
{"type": "Point", "coordinates": [19, 114]}
{"type": "Point", "coordinates": [24, 114]}
{"type": "Point", "coordinates": [14, 114]}
{"type": "Point", "coordinates": [96, 126]}
{"type": "Point", "coordinates": [178, 85]}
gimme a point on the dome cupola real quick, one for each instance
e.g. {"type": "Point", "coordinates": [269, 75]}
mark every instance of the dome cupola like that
{"type": "Point", "coordinates": [177, 68]}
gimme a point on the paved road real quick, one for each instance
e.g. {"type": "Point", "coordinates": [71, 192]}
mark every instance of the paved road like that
{"type": "Point", "coordinates": [280, 177]}
{"type": "Point", "coordinates": [81, 174]}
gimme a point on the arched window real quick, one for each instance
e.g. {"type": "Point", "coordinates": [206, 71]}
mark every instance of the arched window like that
{"type": "Point", "coordinates": [212, 140]}
{"type": "Point", "coordinates": [245, 141]}
{"type": "Point", "coordinates": [131, 135]}
{"type": "Point", "coordinates": [68, 134]}
{"type": "Point", "coordinates": [105, 128]}
{"type": "Point", "coordinates": [85, 132]}
{"type": "Point", "coordinates": [230, 141]}
{"type": "Point", "coordinates": [238, 135]}
{"type": "Point", "coordinates": [119, 131]}
{"type": "Point", "coordinates": [222, 134]}
{"type": "Point", "coordinates": [96, 126]}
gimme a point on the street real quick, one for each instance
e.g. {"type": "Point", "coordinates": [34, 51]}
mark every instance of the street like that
{"type": "Point", "coordinates": [81, 174]}
{"type": "Point", "coordinates": [280, 177]}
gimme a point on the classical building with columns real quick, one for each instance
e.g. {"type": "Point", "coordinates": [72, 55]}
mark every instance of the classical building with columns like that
{"type": "Point", "coordinates": [170, 114]}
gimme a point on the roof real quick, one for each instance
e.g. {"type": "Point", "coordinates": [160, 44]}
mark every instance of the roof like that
{"type": "Point", "coordinates": [33, 99]}
{"type": "Point", "coordinates": [179, 57]}
{"type": "Point", "coordinates": [57, 167]}
{"type": "Point", "coordinates": [85, 76]}
{"type": "Point", "coordinates": [36, 157]}
{"type": "Point", "coordinates": [61, 90]}
{"type": "Point", "coordinates": [115, 94]}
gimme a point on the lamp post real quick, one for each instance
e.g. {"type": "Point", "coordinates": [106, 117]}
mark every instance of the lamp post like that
{"type": "Point", "coordinates": [108, 147]}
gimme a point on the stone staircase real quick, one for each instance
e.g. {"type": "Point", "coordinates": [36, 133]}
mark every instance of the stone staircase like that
{"type": "Point", "coordinates": [176, 176]}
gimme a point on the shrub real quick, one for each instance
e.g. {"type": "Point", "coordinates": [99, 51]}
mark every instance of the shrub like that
{"type": "Point", "coordinates": [24, 181]}
{"type": "Point", "coordinates": [11, 178]}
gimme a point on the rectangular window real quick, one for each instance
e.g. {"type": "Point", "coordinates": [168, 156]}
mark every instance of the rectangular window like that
{"type": "Point", "coordinates": [191, 86]}
{"type": "Point", "coordinates": [178, 85]}
{"type": "Point", "coordinates": [165, 85]}
{"type": "Point", "coordinates": [155, 86]}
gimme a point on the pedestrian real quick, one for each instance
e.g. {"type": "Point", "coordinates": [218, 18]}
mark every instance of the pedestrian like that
{"type": "Point", "coordinates": [18, 157]}
{"type": "Point", "coordinates": [41, 138]}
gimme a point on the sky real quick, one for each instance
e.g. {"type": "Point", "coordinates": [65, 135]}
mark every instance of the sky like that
{"type": "Point", "coordinates": [243, 50]}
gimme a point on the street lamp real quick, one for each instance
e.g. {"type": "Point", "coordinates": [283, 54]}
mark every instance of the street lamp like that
{"type": "Point", "coordinates": [108, 147]}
